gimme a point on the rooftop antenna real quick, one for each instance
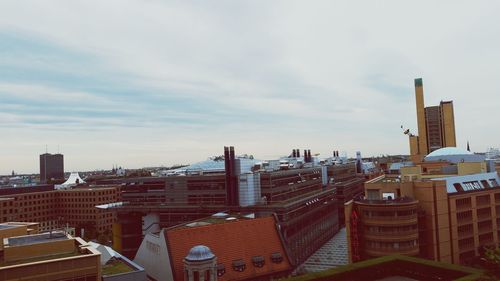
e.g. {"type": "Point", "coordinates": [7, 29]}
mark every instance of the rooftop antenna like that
{"type": "Point", "coordinates": [57, 149]}
{"type": "Point", "coordinates": [46, 149]}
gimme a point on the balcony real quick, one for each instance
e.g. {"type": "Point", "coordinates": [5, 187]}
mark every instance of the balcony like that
{"type": "Point", "coordinates": [390, 220]}
{"type": "Point", "coordinates": [483, 230]}
{"type": "Point", "coordinates": [465, 248]}
{"type": "Point", "coordinates": [377, 252]}
{"type": "Point", "coordinates": [464, 207]}
{"type": "Point", "coordinates": [391, 236]}
{"type": "Point", "coordinates": [484, 217]}
{"type": "Point", "coordinates": [465, 234]}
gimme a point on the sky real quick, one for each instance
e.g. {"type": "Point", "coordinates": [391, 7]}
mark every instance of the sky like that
{"type": "Point", "coordinates": [151, 83]}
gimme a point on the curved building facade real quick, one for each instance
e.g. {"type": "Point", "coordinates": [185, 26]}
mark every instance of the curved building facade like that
{"type": "Point", "coordinates": [384, 227]}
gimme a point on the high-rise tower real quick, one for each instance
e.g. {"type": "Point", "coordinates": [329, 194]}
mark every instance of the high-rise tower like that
{"type": "Point", "coordinates": [51, 167]}
{"type": "Point", "coordinates": [436, 126]}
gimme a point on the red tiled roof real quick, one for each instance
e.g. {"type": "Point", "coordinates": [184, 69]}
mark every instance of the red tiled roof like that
{"type": "Point", "coordinates": [231, 241]}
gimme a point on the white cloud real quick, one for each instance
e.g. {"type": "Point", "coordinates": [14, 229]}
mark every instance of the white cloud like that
{"type": "Point", "coordinates": [341, 71]}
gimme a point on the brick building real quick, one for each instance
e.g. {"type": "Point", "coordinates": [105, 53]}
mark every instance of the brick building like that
{"type": "Point", "coordinates": [60, 208]}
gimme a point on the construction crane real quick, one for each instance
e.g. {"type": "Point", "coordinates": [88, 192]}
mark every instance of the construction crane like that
{"type": "Point", "coordinates": [407, 131]}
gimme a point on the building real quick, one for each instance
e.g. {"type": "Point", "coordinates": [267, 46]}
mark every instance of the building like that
{"type": "Point", "coordinates": [436, 126]}
{"type": "Point", "coordinates": [347, 185]}
{"type": "Point", "coordinates": [300, 193]}
{"type": "Point", "coordinates": [395, 267]}
{"type": "Point", "coordinates": [51, 167]}
{"type": "Point", "coordinates": [56, 255]}
{"type": "Point", "coordinates": [447, 210]}
{"type": "Point", "coordinates": [56, 209]}
{"type": "Point", "coordinates": [220, 247]}
{"type": "Point", "coordinates": [30, 255]}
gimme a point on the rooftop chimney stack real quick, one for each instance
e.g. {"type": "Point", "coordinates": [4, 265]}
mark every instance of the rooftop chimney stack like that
{"type": "Point", "coordinates": [298, 152]}
{"type": "Point", "coordinates": [232, 196]}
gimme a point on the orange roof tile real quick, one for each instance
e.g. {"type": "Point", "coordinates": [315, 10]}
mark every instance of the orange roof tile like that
{"type": "Point", "coordinates": [242, 239]}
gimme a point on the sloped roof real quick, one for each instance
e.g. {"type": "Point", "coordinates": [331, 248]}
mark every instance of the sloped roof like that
{"type": "Point", "coordinates": [74, 177]}
{"type": "Point", "coordinates": [230, 241]}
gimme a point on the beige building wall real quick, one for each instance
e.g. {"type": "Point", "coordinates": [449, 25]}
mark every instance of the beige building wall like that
{"type": "Point", "coordinates": [448, 124]}
{"type": "Point", "coordinates": [469, 168]}
{"type": "Point", "coordinates": [413, 145]}
{"type": "Point", "coordinates": [71, 268]}
{"type": "Point", "coordinates": [15, 253]}
{"type": "Point", "coordinates": [433, 199]}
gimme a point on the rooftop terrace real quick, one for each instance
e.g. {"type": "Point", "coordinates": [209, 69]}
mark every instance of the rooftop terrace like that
{"type": "Point", "coordinates": [116, 266]}
{"type": "Point", "coordinates": [394, 267]}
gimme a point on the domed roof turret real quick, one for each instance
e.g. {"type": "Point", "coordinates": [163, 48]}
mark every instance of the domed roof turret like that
{"type": "Point", "coordinates": [199, 253]}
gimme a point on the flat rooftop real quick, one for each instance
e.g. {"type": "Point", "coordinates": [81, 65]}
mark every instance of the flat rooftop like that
{"type": "Point", "coordinates": [37, 238]}
{"type": "Point", "coordinates": [7, 226]}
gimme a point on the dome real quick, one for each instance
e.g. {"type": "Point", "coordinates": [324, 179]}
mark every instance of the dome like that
{"type": "Point", "coordinates": [199, 253]}
{"type": "Point", "coordinates": [447, 151]}
{"type": "Point", "coordinates": [453, 155]}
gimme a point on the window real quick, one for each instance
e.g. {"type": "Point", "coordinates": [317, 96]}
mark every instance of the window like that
{"type": "Point", "coordinates": [372, 194]}
{"type": "Point", "coordinates": [239, 265]}
{"type": "Point", "coordinates": [463, 203]}
{"type": "Point", "coordinates": [388, 195]}
{"type": "Point", "coordinates": [258, 261]}
{"type": "Point", "coordinates": [276, 257]}
{"type": "Point", "coordinates": [220, 269]}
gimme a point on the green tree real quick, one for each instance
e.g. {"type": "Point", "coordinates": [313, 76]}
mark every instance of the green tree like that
{"type": "Point", "coordinates": [491, 261]}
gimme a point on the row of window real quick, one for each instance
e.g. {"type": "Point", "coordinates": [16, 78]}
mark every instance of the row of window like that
{"type": "Point", "coordinates": [391, 245]}
{"type": "Point", "coordinates": [389, 213]}
{"type": "Point", "coordinates": [391, 229]}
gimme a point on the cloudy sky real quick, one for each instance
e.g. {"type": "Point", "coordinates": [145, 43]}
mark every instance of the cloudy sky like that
{"type": "Point", "coordinates": [148, 83]}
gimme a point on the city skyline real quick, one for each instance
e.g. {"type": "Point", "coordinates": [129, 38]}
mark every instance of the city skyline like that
{"type": "Point", "coordinates": [150, 83]}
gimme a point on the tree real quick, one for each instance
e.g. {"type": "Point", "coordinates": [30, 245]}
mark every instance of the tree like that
{"type": "Point", "coordinates": [491, 261]}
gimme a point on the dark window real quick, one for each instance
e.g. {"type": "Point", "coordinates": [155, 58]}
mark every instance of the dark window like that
{"type": "Point", "coordinates": [220, 269]}
{"type": "Point", "coordinates": [239, 265]}
{"type": "Point", "coordinates": [258, 261]}
{"type": "Point", "coordinates": [276, 257]}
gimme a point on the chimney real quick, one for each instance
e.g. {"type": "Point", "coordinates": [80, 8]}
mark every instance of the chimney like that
{"type": "Point", "coordinates": [227, 167]}
{"type": "Point", "coordinates": [309, 158]}
{"type": "Point", "coordinates": [294, 154]}
{"type": "Point", "coordinates": [233, 178]}
{"type": "Point", "coordinates": [298, 152]}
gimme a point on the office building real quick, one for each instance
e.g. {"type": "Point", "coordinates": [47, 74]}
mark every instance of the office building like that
{"type": "Point", "coordinates": [55, 209]}
{"type": "Point", "coordinates": [446, 208]}
{"type": "Point", "coordinates": [436, 126]}
{"type": "Point", "coordinates": [51, 168]}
